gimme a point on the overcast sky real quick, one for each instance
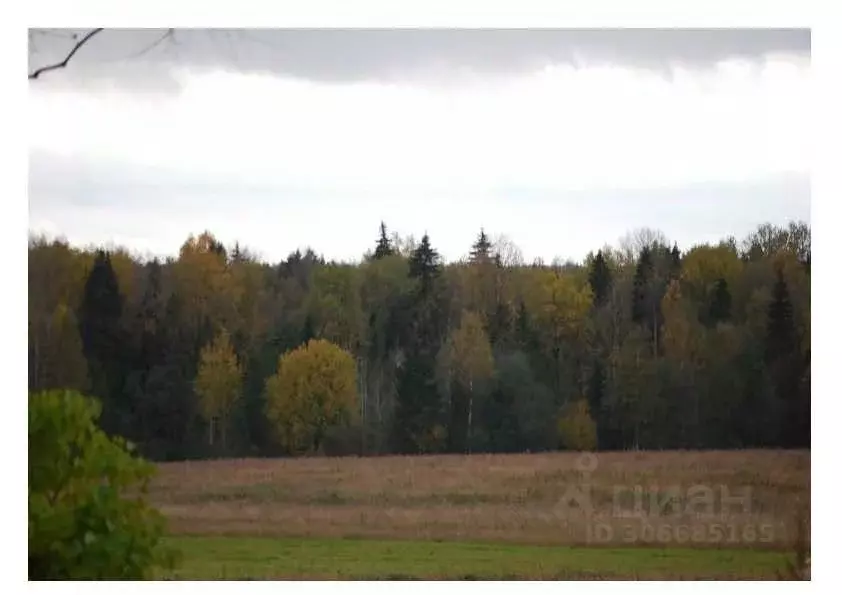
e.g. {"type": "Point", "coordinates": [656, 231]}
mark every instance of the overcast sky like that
{"type": "Point", "coordinates": [562, 140]}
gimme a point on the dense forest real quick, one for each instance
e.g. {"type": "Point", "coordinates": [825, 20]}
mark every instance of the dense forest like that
{"type": "Point", "coordinates": [215, 353]}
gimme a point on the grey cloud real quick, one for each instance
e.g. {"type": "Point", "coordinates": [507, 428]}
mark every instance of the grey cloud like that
{"type": "Point", "coordinates": [136, 60]}
{"type": "Point", "coordinates": [698, 204]}
{"type": "Point", "coordinates": [86, 182]}
{"type": "Point", "coordinates": [90, 200]}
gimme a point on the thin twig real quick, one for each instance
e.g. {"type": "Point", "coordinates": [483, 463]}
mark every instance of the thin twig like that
{"type": "Point", "coordinates": [167, 34]}
{"type": "Point", "coordinates": [63, 63]}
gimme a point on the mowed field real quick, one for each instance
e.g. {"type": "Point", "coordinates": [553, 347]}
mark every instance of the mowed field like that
{"type": "Point", "coordinates": [555, 515]}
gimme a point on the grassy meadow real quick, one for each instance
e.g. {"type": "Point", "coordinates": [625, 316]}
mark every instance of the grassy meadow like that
{"type": "Point", "coordinates": [554, 515]}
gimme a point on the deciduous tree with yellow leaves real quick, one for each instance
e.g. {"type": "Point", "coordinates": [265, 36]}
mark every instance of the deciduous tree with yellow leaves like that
{"type": "Point", "coordinates": [219, 384]}
{"type": "Point", "coordinates": [467, 364]}
{"type": "Point", "coordinates": [314, 389]}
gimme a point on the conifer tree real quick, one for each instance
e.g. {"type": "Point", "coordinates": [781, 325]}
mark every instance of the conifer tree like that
{"type": "Point", "coordinates": [675, 263]}
{"type": "Point", "coordinates": [384, 245]}
{"type": "Point", "coordinates": [720, 305]}
{"type": "Point", "coordinates": [424, 264]}
{"type": "Point", "coordinates": [786, 366]}
{"type": "Point", "coordinates": [599, 278]}
{"type": "Point", "coordinates": [780, 336]}
{"type": "Point", "coordinates": [642, 276]}
{"type": "Point", "coordinates": [481, 249]}
{"type": "Point", "coordinates": [100, 328]}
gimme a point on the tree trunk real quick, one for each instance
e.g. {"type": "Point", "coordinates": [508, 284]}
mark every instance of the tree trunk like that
{"type": "Point", "coordinates": [470, 413]}
{"type": "Point", "coordinates": [224, 425]}
{"type": "Point", "coordinates": [654, 331]}
{"type": "Point", "coordinates": [35, 381]}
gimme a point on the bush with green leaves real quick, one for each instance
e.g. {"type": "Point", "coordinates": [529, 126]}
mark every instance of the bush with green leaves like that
{"type": "Point", "coordinates": [88, 514]}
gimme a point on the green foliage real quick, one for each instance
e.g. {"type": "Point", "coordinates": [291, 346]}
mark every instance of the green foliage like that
{"type": "Point", "coordinates": [334, 305]}
{"type": "Point", "coordinates": [642, 275]}
{"type": "Point", "coordinates": [424, 264]}
{"type": "Point", "coordinates": [576, 428]}
{"type": "Point", "coordinates": [103, 338]}
{"type": "Point", "coordinates": [599, 279]}
{"type": "Point", "coordinates": [384, 246]}
{"type": "Point", "coordinates": [781, 326]}
{"type": "Point", "coordinates": [88, 518]}
{"type": "Point", "coordinates": [706, 348]}
{"type": "Point", "coordinates": [720, 306]}
{"type": "Point", "coordinates": [219, 383]}
{"type": "Point", "coordinates": [481, 250]}
{"type": "Point", "coordinates": [532, 404]}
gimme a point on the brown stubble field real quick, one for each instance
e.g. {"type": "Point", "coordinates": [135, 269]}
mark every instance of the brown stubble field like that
{"type": "Point", "coordinates": [500, 498]}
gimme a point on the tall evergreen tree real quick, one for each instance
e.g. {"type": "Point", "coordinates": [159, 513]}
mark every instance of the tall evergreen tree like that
{"type": "Point", "coordinates": [481, 249]}
{"type": "Point", "coordinates": [384, 245]}
{"type": "Point", "coordinates": [780, 335]}
{"type": "Point", "coordinates": [236, 253]}
{"type": "Point", "coordinates": [308, 331]}
{"type": "Point", "coordinates": [424, 264]}
{"type": "Point", "coordinates": [642, 276]}
{"type": "Point", "coordinates": [148, 346]}
{"type": "Point", "coordinates": [600, 280]}
{"type": "Point", "coordinates": [675, 263]}
{"type": "Point", "coordinates": [103, 339]}
{"type": "Point", "coordinates": [720, 304]}
{"type": "Point", "coordinates": [419, 409]}
{"type": "Point", "coordinates": [787, 366]}
{"type": "Point", "coordinates": [168, 390]}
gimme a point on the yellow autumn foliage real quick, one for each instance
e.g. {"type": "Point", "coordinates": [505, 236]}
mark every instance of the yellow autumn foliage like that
{"type": "Point", "coordinates": [314, 389]}
{"type": "Point", "coordinates": [219, 381]}
{"type": "Point", "coordinates": [703, 265]}
{"type": "Point", "coordinates": [559, 302]}
{"type": "Point", "coordinates": [470, 351]}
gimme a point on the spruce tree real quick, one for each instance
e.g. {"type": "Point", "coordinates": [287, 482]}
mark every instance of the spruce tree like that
{"type": "Point", "coordinates": [419, 409]}
{"type": "Point", "coordinates": [599, 278]}
{"type": "Point", "coordinates": [675, 262]}
{"type": "Point", "coordinates": [787, 366]}
{"type": "Point", "coordinates": [720, 304]}
{"type": "Point", "coordinates": [147, 318]}
{"type": "Point", "coordinates": [642, 276]}
{"type": "Point", "coordinates": [236, 253]}
{"type": "Point", "coordinates": [424, 264]}
{"type": "Point", "coordinates": [103, 340]}
{"type": "Point", "coordinates": [780, 335]}
{"type": "Point", "coordinates": [168, 390]}
{"type": "Point", "coordinates": [308, 331]}
{"type": "Point", "coordinates": [384, 245]}
{"type": "Point", "coordinates": [481, 249]}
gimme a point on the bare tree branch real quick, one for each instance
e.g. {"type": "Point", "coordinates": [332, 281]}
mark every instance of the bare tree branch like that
{"type": "Point", "coordinates": [38, 72]}
{"type": "Point", "coordinates": [169, 33]}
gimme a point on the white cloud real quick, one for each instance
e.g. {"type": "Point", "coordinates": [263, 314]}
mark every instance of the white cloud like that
{"type": "Point", "coordinates": [561, 128]}
{"type": "Point", "coordinates": [557, 130]}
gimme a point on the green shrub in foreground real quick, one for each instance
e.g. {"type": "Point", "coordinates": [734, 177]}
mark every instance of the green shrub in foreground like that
{"type": "Point", "coordinates": [88, 517]}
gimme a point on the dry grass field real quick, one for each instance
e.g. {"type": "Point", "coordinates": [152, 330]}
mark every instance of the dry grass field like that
{"type": "Point", "coordinates": [513, 499]}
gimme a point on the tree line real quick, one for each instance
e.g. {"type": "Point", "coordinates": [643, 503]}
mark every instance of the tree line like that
{"type": "Point", "coordinates": [217, 353]}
